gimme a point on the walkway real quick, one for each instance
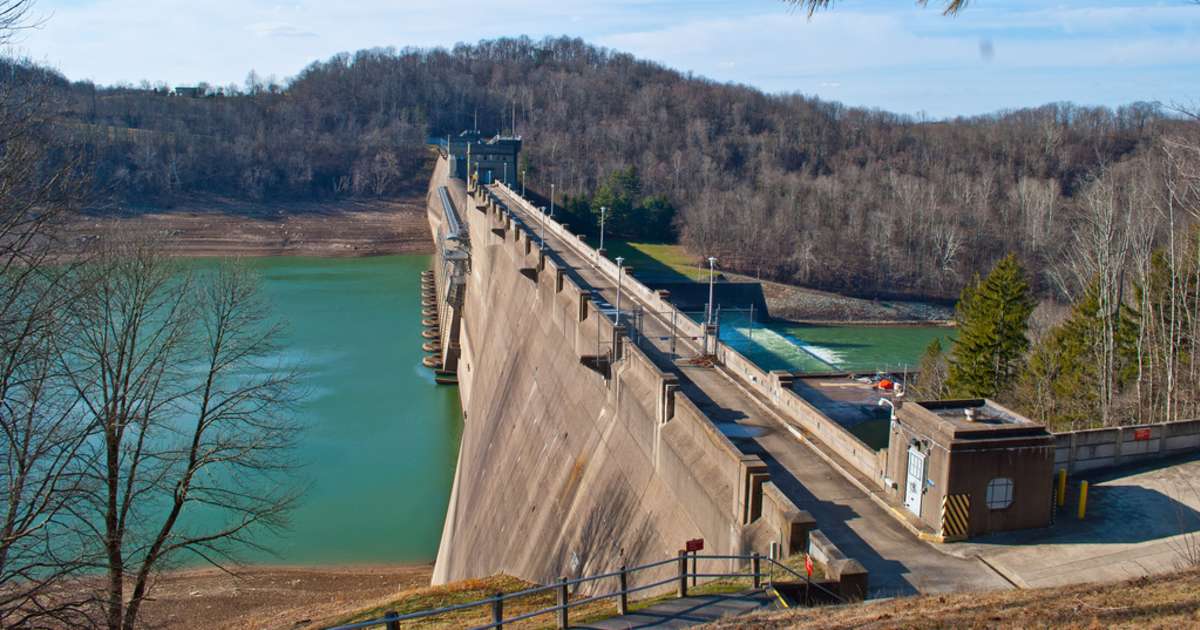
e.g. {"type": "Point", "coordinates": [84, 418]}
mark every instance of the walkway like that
{"type": "Point", "coordinates": [898, 562]}
{"type": "Point", "coordinates": [689, 611]}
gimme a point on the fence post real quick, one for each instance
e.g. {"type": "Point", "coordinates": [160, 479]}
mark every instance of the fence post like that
{"type": "Point", "coordinates": [563, 612]}
{"type": "Point", "coordinates": [498, 611]}
{"type": "Point", "coordinates": [682, 590]}
{"type": "Point", "coordinates": [755, 563]}
{"type": "Point", "coordinates": [392, 619]}
{"type": "Point", "coordinates": [623, 596]}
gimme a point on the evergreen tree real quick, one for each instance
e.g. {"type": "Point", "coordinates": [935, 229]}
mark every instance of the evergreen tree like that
{"type": "Point", "coordinates": [931, 372]}
{"type": "Point", "coordinates": [993, 317]}
{"type": "Point", "coordinates": [1060, 384]}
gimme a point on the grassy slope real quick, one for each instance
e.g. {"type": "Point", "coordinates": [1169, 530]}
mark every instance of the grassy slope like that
{"type": "Point", "coordinates": [1168, 601]}
{"type": "Point", "coordinates": [657, 261]}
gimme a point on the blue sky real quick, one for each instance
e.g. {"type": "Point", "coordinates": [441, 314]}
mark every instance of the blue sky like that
{"type": "Point", "coordinates": [877, 53]}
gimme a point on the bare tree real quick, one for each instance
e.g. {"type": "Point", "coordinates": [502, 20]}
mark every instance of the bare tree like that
{"type": "Point", "coordinates": [952, 6]}
{"type": "Point", "coordinates": [41, 436]}
{"type": "Point", "coordinates": [1097, 260]}
{"type": "Point", "coordinates": [178, 370]}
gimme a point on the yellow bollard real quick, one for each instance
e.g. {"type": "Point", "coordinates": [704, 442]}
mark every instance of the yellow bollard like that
{"type": "Point", "coordinates": [1062, 487]}
{"type": "Point", "coordinates": [1083, 486]}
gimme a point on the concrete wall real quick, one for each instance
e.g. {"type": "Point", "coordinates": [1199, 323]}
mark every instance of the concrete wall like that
{"type": "Point", "coordinates": [1092, 449]}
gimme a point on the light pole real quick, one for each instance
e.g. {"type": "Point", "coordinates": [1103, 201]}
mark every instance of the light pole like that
{"type": "Point", "coordinates": [543, 239]}
{"type": "Point", "coordinates": [603, 210]}
{"type": "Point", "coordinates": [551, 199]}
{"type": "Point", "coordinates": [620, 272]}
{"type": "Point", "coordinates": [711, 274]}
{"type": "Point", "coordinates": [506, 173]}
{"type": "Point", "coordinates": [522, 183]}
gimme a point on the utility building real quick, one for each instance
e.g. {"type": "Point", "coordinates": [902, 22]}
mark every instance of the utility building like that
{"type": "Point", "coordinates": [968, 467]}
{"type": "Point", "coordinates": [493, 160]}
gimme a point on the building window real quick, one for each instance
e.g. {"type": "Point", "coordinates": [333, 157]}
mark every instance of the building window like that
{"type": "Point", "coordinates": [999, 493]}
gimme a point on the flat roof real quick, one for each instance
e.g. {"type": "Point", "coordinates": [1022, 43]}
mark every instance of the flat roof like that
{"type": "Point", "coordinates": [970, 419]}
{"type": "Point", "coordinates": [846, 399]}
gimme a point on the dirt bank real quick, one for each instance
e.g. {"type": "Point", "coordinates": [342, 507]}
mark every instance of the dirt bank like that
{"type": "Point", "coordinates": [813, 306]}
{"type": "Point", "coordinates": [217, 227]}
{"type": "Point", "coordinates": [275, 597]}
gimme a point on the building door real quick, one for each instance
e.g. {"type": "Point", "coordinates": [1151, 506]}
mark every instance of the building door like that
{"type": "Point", "coordinates": [916, 480]}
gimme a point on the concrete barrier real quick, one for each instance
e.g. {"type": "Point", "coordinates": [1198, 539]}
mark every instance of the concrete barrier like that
{"type": "Point", "coordinates": [850, 575]}
{"type": "Point", "coordinates": [791, 525]}
{"type": "Point", "coordinates": [1093, 449]}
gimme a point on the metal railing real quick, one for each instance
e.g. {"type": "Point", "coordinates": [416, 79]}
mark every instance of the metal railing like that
{"type": "Point", "coordinates": [563, 606]}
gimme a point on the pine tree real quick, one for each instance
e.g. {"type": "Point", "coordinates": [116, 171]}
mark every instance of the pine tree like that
{"type": "Point", "coordinates": [931, 372]}
{"type": "Point", "coordinates": [1060, 385]}
{"type": "Point", "coordinates": [993, 317]}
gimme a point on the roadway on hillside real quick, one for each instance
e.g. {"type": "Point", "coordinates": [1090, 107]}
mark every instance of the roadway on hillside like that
{"type": "Point", "coordinates": [898, 562]}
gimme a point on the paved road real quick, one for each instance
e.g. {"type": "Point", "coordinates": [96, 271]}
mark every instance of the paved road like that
{"type": "Point", "coordinates": [898, 562]}
{"type": "Point", "coordinates": [688, 611]}
{"type": "Point", "coordinates": [1142, 520]}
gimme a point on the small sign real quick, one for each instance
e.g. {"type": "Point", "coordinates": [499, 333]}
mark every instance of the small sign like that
{"type": "Point", "coordinates": [695, 544]}
{"type": "Point", "coordinates": [808, 566]}
{"type": "Point", "coordinates": [1141, 435]}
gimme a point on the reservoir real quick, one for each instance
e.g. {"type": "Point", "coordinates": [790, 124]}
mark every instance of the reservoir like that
{"type": "Point", "coordinates": [381, 441]}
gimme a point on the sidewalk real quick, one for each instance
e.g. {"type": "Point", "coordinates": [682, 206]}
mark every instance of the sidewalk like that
{"type": "Point", "coordinates": [690, 611]}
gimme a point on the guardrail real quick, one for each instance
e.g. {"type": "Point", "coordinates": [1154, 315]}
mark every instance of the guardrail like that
{"type": "Point", "coordinates": [392, 620]}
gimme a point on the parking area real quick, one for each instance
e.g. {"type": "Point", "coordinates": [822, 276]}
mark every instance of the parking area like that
{"type": "Point", "coordinates": [1139, 521]}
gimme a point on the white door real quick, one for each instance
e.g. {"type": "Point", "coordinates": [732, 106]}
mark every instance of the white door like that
{"type": "Point", "coordinates": [915, 482]}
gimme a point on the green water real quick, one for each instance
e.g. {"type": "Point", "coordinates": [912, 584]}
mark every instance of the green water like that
{"type": "Point", "coordinates": [381, 441]}
{"type": "Point", "coordinates": [820, 348]}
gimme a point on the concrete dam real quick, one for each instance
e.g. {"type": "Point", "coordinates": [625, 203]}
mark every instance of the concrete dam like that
{"type": "Point", "coordinates": [604, 428]}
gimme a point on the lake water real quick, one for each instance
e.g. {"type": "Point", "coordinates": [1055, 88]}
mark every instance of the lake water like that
{"type": "Point", "coordinates": [382, 439]}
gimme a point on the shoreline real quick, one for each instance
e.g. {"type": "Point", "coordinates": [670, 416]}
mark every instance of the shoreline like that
{"type": "Point", "coordinates": [276, 596]}
{"type": "Point", "coordinates": [212, 228]}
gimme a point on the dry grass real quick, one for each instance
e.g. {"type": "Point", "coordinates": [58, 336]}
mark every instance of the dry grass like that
{"type": "Point", "coordinates": [1168, 601]}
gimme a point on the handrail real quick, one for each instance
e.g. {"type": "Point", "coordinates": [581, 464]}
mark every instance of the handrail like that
{"type": "Point", "coordinates": [392, 620]}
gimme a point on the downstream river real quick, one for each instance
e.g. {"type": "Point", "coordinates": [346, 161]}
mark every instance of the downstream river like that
{"type": "Point", "coordinates": [382, 439]}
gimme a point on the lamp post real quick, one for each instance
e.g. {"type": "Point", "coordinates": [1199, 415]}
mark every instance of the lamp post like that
{"type": "Point", "coordinates": [711, 274]}
{"type": "Point", "coordinates": [551, 199]}
{"type": "Point", "coordinates": [522, 183]}
{"type": "Point", "coordinates": [603, 210]}
{"type": "Point", "coordinates": [620, 272]}
{"type": "Point", "coordinates": [506, 173]}
{"type": "Point", "coordinates": [543, 238]}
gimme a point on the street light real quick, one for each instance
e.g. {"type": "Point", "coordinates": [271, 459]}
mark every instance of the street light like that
{"type": "Point", "coordinates": [603, 210]}
{"type": "Point", "coordinates": [543, 239]}
{"type": "Point", "coordinates": [522, 183]}
{"type": "Point", "coordinates": [506, 173]}
{"type": "Point", "coordinates": [711, 274]}
{"type": "Point", "coordinates": [620, 272]}
{"type": "Point", "coordinates": [551, 198]}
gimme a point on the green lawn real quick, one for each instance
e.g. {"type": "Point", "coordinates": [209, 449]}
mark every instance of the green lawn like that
{"type": "Point", "coordinates": [656, 261]}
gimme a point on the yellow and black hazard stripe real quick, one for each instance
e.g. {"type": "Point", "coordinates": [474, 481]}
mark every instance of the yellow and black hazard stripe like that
{"type": "Point", "coordinates": [956, 511]}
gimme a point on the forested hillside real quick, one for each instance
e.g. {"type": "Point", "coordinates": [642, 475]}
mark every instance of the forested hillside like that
{"type": "Point", "coordinates": [786, 187]}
